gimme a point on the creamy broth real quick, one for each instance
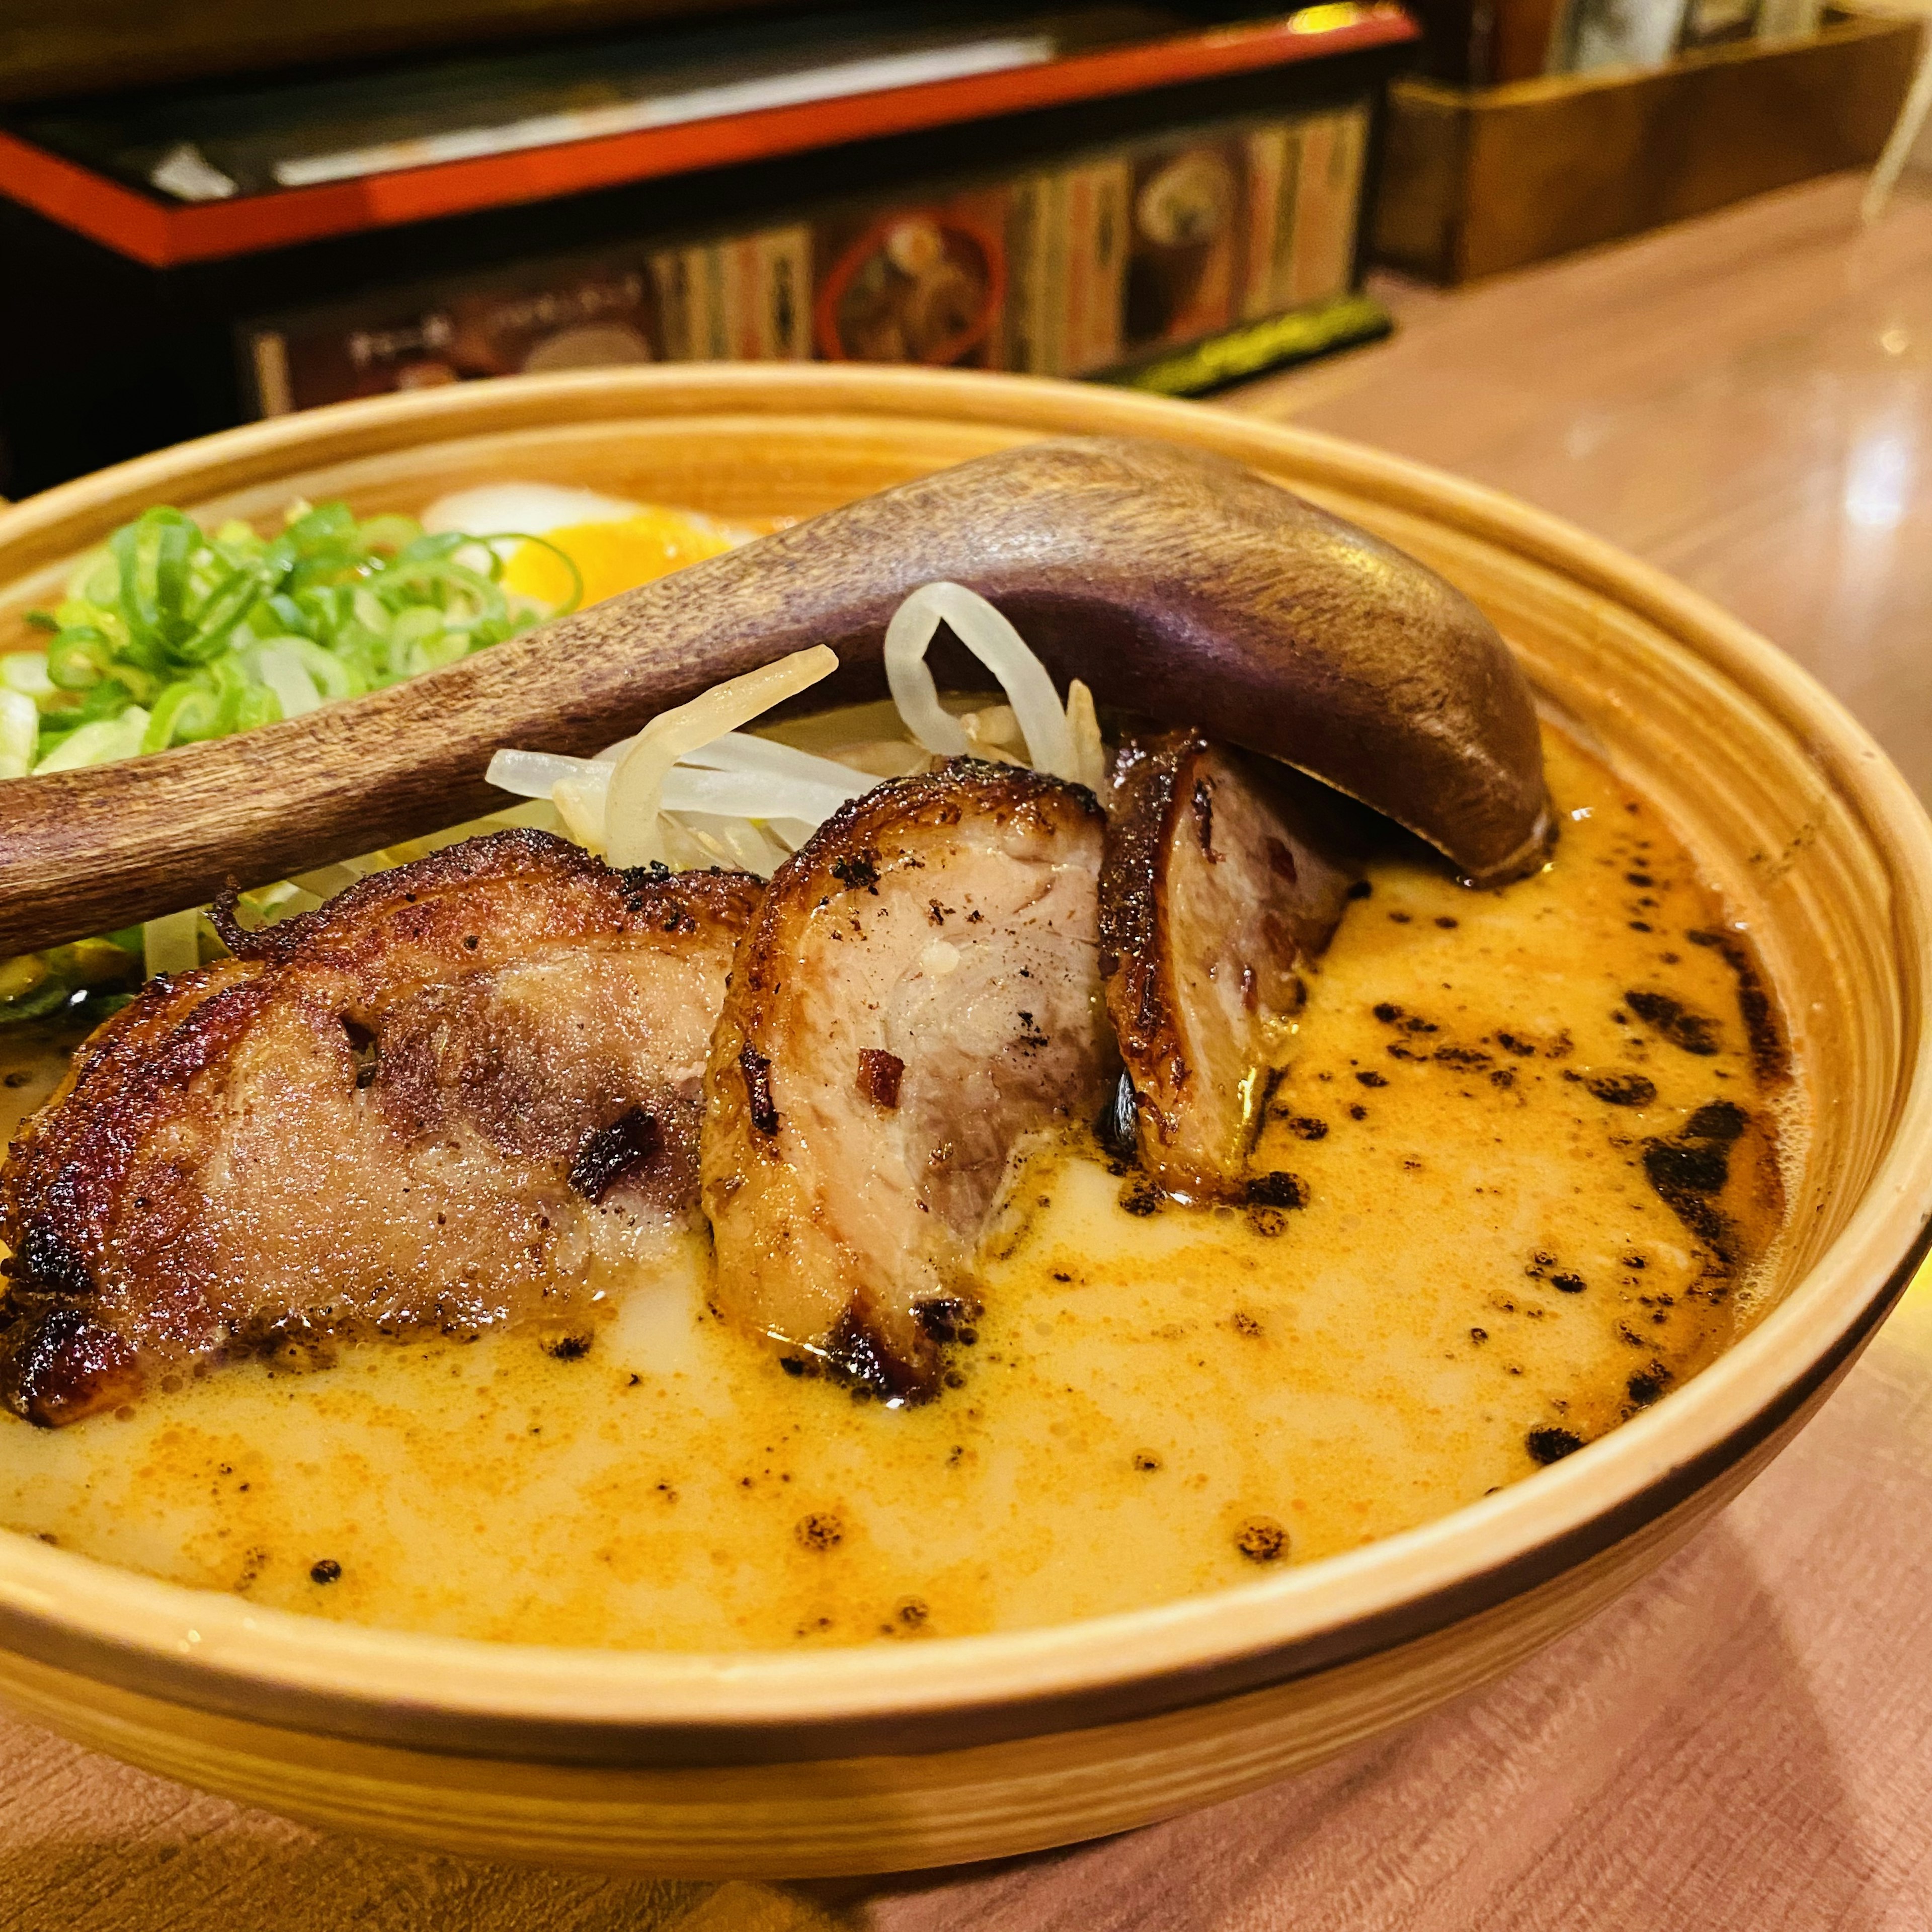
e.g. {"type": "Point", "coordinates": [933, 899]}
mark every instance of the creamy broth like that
{"type": "Point", "coordinates": [1533, 1207]}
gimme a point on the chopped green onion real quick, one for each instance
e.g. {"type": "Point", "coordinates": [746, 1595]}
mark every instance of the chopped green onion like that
{"type": "Point", "coordinates": [184, 713]}
{"type": "Point", "coordinates": [276, 664]}
{"type": "Point", "coordinates": [19, 730]}
{"type": "Point", "coordinates": [171, 635]}
{"type": "Point", "coordinates": [101, 743]}
{"type": "Point", "coordinates": [26, 672]}
{"type": "Point", "coordinates": [36, 1005]}
{"type": "Point", "coordinates": [207, 634]}
{"type": "Point", "coordinates": [78, 657]}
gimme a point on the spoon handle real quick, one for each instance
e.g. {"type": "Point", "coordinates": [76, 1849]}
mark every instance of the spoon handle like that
{"type": "Point", "coordinates": [1178, 585]}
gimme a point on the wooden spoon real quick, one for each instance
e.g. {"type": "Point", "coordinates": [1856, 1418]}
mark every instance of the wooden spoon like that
{"type": "Point", "coordinates": [1177, 584]}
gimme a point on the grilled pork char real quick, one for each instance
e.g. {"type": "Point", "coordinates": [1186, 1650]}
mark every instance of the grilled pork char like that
{"type": "Point", "coordinates": [464, 1093]}
{"type": "Point", "coordinates": [1224, 877]}
{"type": "Point", "coordinates": [475, 1089]}
{"type": "Point", "coordinates": [920, 992]}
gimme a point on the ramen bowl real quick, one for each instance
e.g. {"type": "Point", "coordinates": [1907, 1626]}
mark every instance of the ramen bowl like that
{"type": "Point", "coordinates": [895, 1756]}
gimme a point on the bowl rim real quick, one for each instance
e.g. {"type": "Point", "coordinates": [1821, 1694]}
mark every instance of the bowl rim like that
{"type": "Point", "coordinates": [218, 1652]}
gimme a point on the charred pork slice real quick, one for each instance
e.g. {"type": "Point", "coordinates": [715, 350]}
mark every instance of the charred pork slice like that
{"type": "Point", "coordinates": [920, 992]}
{"type": "Point", "coordinates": [462, 1093]}
{"type": "Point", "coordinates": [1223, 877]}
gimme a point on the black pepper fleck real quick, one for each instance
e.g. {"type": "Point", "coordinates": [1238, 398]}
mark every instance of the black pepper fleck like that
{"type": "Point", "coordinates": [1648, 1385]}
{"type": "Point", "coordinates": [820, 1531]}
{"type": "Point", "coordinates": [1262, 1540]}
{"type": "Point", "coordinates": [1550, 1445]}
{"type": "Point", "coordinates": [1693, 1033]}
{"type": "Point", "coordinates": [1622, 1090]}
{"type": "Point", "coordinates": [1277, 1190]}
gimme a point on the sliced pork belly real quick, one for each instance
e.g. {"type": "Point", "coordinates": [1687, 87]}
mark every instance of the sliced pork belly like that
{"type": "Point", "coordinates": [1223, 877]}
{"type": "Point", "coordinates": [920, 992]}
{"type": "Point", "coordinates": [464, 1093]}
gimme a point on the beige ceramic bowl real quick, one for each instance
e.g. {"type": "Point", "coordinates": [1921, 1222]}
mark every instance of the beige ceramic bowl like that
{"type": "Point", "coordinates": [901, 1756]}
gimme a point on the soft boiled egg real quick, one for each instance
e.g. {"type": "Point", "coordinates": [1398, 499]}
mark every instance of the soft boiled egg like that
{"type": "Point", "coordinates": [616, 544]}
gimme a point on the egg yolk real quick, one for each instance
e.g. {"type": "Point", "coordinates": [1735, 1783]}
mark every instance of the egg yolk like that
{"type": "Point", "coordinates": [610, 556]}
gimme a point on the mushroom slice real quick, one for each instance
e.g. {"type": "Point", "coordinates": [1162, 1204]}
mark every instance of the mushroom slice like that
{"type": "Point", "coordinates": [464, 1093]}
{"type": "Point", "coordinates": [1225, 875]}
{"type": "Point", "coordinates": [920, 992]}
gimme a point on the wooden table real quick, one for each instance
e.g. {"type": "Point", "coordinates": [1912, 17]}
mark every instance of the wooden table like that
{"type": "Point", "coordinates": [1743, 1743]}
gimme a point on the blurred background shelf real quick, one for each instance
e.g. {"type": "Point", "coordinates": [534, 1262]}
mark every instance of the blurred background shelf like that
{"type": "Point", "coordinates": [226, 211]}
{"type": "Point", "coordinates": [1170, 195]}
{"type": "Point", "coordinates": [186, 173]}
{"type": "Point", "coordinates": [52, 48]}
{"type": "Point", "coordinates": [1476, 180]}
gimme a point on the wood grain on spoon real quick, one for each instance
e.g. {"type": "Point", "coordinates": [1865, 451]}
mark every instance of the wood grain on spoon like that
{"type": "Point", "coordinates": [1177, 584]}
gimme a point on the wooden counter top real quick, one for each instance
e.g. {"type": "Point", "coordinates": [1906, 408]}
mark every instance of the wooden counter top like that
{"type": "Point", "coordinates": [1745, 1741]}
{"type": "Point", "coordinates": [1745, 401]}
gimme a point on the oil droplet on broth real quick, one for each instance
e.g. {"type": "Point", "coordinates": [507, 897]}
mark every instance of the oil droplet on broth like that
{"type": "Point", "coordinates": [1491, 1267]}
